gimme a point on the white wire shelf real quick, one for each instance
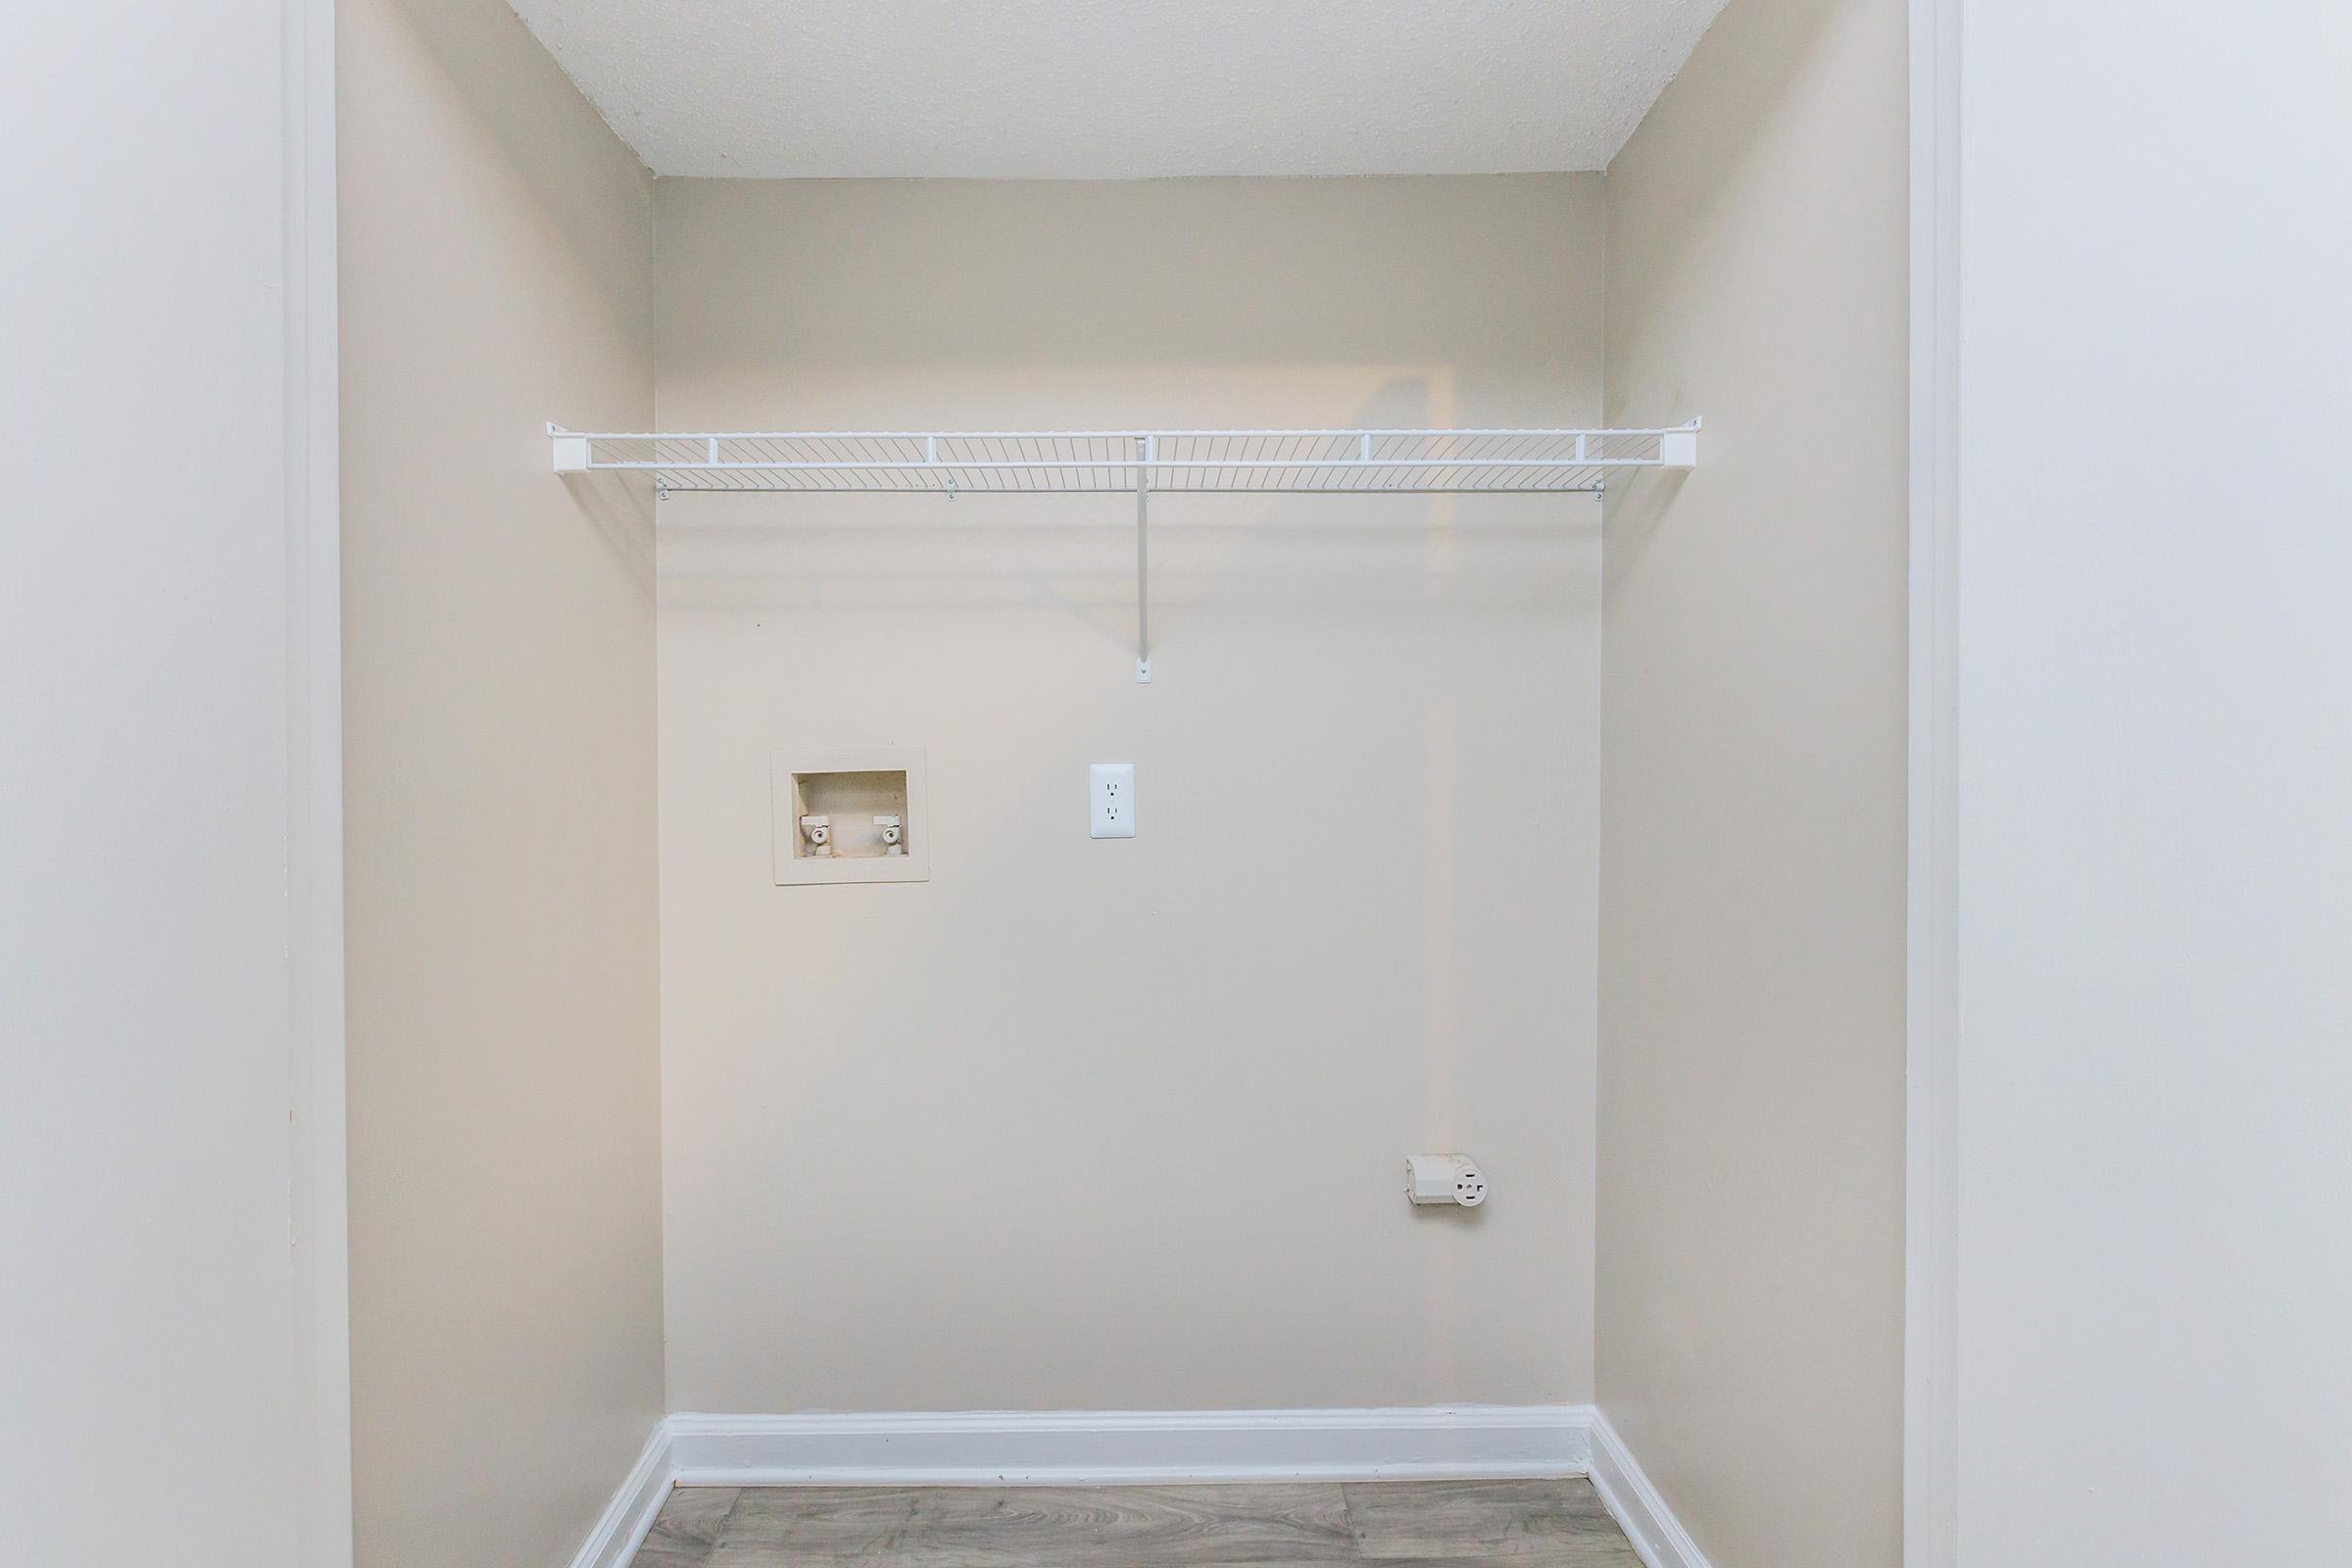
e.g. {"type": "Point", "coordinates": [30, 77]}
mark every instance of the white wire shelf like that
{"type": "Point", "coordinates": [1134, 463]}
{"type": "Point", "coordinates": [1037, 462]}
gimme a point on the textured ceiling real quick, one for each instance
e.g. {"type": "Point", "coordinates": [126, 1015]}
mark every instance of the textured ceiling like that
{"type": "Point", "coordinates": [1116, 89]}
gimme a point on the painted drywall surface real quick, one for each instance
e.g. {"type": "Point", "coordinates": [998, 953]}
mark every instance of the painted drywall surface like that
{"type": "Point", "coordinates": [2155, 863]}
{"type": "Point", "coordinates": [1013, 89]}
{"type": "Point", "coordinates": [1121, 1124]}
{"type": "Point", "coordinates": [1752, 800]}
{"type": "Point", "coordinates": [503, 1082]}
{"type": "Point", "coordinates": [149, 1388]}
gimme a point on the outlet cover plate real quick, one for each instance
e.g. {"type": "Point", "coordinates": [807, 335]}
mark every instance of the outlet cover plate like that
{"type": "Point", "coordinates": [1111, 799]}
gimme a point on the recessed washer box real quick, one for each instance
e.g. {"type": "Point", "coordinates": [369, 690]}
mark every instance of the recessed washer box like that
{"type": "Point", "coordinates": [850, 788]}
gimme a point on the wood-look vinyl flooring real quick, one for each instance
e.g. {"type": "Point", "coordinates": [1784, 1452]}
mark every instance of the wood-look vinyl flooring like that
{"type": "Point", "coordinates": [1389, 1524]}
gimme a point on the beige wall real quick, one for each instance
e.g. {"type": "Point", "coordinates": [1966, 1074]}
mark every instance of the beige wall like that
{"type": "Point", "coordinates": [504, 1180]}
{"type": "Point", "coordinates": [1118, 1125]}
{"type": "Point", "coordinates": [1752, 793]}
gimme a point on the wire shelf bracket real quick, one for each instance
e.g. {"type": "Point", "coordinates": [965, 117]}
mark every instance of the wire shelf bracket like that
{"type": "Point", "coordinates": [1141, 462]}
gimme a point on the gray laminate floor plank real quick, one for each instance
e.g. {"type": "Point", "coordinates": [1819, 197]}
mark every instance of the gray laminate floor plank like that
{"type": "Point", "coordinates": [1550, 1524]}
{"type": "Point", "coordinates": [1594, 1553]}
{"type": "Point", "coordinates": [824, 1524]}
{"type": "Point", "coordinates": [687, 1529]}
{"type": "Point", "coordinates": [1476, 1519]}
{"type": "Point", "coordinates": [1150, 1527]}
{"type": "Point", "coordinates": [1043, 1527]}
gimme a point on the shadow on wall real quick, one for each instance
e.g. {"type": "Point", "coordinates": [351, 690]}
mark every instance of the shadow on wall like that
{"type": "Point", "coordinates": [1634, 515]}
{"type": "Point", "coordinates": [620, 505]}
{"type": "Point", "coordinates": [480, 48]}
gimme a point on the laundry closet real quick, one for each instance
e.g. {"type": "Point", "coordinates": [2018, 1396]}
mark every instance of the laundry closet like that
{"type": "Point", "coordinates": [1129, 749]}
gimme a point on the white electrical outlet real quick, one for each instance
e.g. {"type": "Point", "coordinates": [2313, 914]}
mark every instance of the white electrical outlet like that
{"type": "Point", "coordinates": [1112, 797]}
{"type": "Point", "coordinates": [1443, 1179]}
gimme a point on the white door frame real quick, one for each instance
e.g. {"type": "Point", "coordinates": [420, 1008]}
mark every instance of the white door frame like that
{"type": "Point", "coordinates": [315, 870]}
{"type": "Point", "coordinates": [1931, 1345]}
{"type": "Point", "coordinates": [320, 1219]}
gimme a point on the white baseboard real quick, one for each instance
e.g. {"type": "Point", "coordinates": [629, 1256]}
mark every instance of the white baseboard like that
{"type": "Point", "coordinates": [1084, 1448]}
{"type": "Point", "coordinates": [1107, 1448]}
{"type": "Point", "coordinates": [630, 1514]}
{"type": "Point", "coordinates": [1635, 1503]}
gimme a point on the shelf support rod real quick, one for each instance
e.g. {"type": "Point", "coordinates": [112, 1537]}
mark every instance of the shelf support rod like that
{"type": "Point", "coordinates": [1146, 450]}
